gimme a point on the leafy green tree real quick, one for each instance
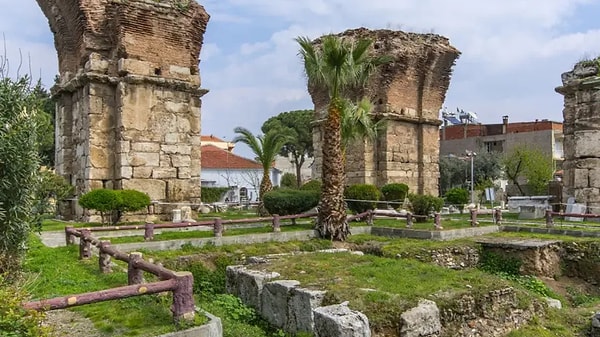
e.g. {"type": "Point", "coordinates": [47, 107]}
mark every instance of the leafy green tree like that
{"type": "Point", "coordinates": [19, 166]}
{"type": "Point", "coordinates": [297, 126]}
{"type": "Point", "coordinates": [458, 196]}
{"type": "Point", "coordinates": [51, 189]}
{"type": "Point", "coordinates": [265, 147]}
{"type": "Point", "coordinates": [338, 66]}
{"type": "Point", "coordinates": [46, 122]}
{"type": "Point", "coordinates": [289, 180]}
{"type": "Point", "coordinates": [487, 167]}
{"type": "Point", "coordinates": [528, 164]}
{"type": "Point", "coordinates": [453, 173]}
{"type": "Point", "coordinates": [456, 171]}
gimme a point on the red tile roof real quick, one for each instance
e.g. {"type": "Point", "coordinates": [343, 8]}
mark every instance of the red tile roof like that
{"type": "Point", "coordinates": [216, 158]}
{"type": "Point", "coordinates": [211, 138]}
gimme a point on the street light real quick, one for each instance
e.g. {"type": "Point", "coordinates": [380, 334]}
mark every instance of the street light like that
{"type": "Point", "coordinates": [472, 155]}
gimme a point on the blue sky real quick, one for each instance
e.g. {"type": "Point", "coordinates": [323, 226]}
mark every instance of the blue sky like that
{"type": "Point", "coordinates": [513, 51]}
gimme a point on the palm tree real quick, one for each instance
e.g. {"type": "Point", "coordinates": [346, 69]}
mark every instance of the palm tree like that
{"type": "Point", "coordinates": [339, 67]}
{"type": "Point", "coordinates": [357, 123]}
{"type": "Point", "coordinates": [265, 147]}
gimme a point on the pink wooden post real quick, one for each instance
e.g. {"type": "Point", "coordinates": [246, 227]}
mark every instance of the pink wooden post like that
{"type": "Point", "coordinates": [370, 217]}
{"type": "Point", "coordinates": [218, 227]}
{"type": "Point", "coordinates": [183, 307]}
{"type": "Point", "coordinates": [276, 223]}
{"type": "Point", "coordinates": [134, 275]}
{"type": "Point", "coordinates": [85, 248]}
{"type": "Point", "coordinates": [149, 231]}
{"type": "Point", "coordinates": [438, 221]}
{"type": "Point", "coordinates": [104, 258]}
{"type": "Point", "coordinates": [498, 216]}
{"type": "Point", "coordinates": [549, 218]}
{"type": "Point", "coordinates": [409, 220]}
{"type": "Point", "coordinates": [69, 237]}
{"type": "Point", "coordinates": [474, 222]}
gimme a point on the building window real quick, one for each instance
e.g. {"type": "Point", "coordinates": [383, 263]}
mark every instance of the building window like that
{"type": "Point", "coordinates": [495, 146]}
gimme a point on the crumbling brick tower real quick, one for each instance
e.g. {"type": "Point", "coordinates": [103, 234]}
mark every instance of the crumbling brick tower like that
{"type": "Point", "coordinates": [128, 99]}
{"type": "Point", "coordinates": [408, 93]}
{"type": "Point", "coordinates": [581, 90]}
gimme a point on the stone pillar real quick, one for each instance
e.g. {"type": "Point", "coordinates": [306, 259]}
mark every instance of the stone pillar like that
{"type": "Point", "coordinates": [128, 99]}
{"type": "Point", "coordinates": [581, 91]}
{"type": "Point", "coordinates": [408, 93]}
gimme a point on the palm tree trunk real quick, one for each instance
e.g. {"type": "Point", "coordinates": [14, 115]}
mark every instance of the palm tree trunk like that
{"type": "Point", "coordinates": [331, 222]}
{"type": "Point", "coordinates": [265, 186]}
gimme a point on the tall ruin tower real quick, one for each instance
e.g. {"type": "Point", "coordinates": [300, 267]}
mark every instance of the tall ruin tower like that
{"type": "Point", "coordinates": [581, 91]}
{"type": "Point", "coordinates": [128, 99]}
{"type": "Point", "coordinates": [408, 92]}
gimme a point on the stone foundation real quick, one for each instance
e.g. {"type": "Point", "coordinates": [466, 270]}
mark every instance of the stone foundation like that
{"type": "Point", "coordinates": [128, 99]}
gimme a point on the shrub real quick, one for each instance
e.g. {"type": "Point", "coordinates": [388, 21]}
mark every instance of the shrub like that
{"type": "Point", "coordinates": [114, 202]}
{"type": "Point", "coordinates": [458, 196]}
{"type": "Point", "coordinates": [287, 202]}
{"type": "Point", "coordinates": [212, 194]}
{"type": "Point", "coordinates": [425, 204]}
{"type": "Point", "coordinates": [14, 320]}
{"type": "Point", "coordinates": [362, 192]}
{"type": "Point", "coordinates": [51, 188]}
{"type": "Point", "coordinates": [394, 192]}
{"type": "Point", "coordinates": [289, 180]}
{"type": "Point", "coordinates": [312, 185]}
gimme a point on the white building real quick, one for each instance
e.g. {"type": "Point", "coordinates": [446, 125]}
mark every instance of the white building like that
{"type": "Point", "coordinates": [222, 168]}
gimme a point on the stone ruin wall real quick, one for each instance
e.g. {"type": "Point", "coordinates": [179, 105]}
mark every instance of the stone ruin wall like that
{"type": "Point", "coordinates": [128, 99]}
{"type": "Point", "coordinates": [409, 93]}
{"type": "Point", "coordinates": [581, 127]}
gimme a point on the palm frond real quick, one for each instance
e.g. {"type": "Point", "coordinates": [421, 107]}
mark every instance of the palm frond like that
{"type": "Point", "coordinates": [246, 137]}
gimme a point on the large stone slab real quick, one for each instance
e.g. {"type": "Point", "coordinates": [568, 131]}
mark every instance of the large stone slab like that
{"type": "Point", "coordinates": [301, 304]}
{"type": "Point", "coordinates": [274, 301]}
{"type": "Point", "coordinates": [247, 284]}
{"type": "Point", "coordinates": [421, 321]}
{"type": "Point", "coordinates": [340, 321]}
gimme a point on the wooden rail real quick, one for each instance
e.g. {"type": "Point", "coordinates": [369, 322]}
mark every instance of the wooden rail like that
{"type": "Point", "coordinates": [550, 216]}
{"type": "Point", "coordinates": [437, 218]}
{"type": "Point", "coordinates": [179, 283]}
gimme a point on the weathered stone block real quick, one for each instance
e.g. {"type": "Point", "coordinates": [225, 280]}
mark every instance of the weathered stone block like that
{"type": "Point", "coordinates": [247, 284]}
{"type": "Point", "coordinates": [174, 107]}
{"type": "Point", "coordinates": [340, 321]}
{"type": "Point", "coordinates": [176, 149]}
{"type": "Point", "coordinates": [155, 188]}
{"type": "Point", "coordinates": [421, 321]}
{"type": "Point", "coordinates": [126, 172]}
{"type": "Point", "coordinates": [164, 173]}
{"type": "Point", "coordinates": [143, 159]}
{"type": "Point", "coordinates": [274, 301]}
{"type": "Point", "coordinates": [137, 67]}
{"type": "Point", "coordinates": [180, 190]}
{"type": "Point", "coordinates": [586, 144]}
{"type": "Point", "coordinates": [145, 147]}
{"type": "Point", "coordinates": [172, 138]}
{"type": "Point", "coordinates": [184, 173]}
{"type": "Point", "coordinates": [302, 302]}
{"type": "Point", "coordinates": [142, 172]}
{"type": "Point", "coordinates": [181, 161]}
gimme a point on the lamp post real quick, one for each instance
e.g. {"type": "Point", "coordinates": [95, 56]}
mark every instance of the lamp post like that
{"type": "Point", "coordinates": [472, 155]}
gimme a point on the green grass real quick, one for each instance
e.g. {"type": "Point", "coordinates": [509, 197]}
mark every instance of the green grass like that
{"type": "Point", "coordinates": [58, 272]}
{"type": "Point", "coordinates": [447, 224]}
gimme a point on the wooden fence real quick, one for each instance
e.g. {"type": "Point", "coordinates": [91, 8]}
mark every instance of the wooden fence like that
{"type": "Point", "coordinates": [550, 215]}
{"type": "Point", "coordinates": [179, 283]}
{"type": "Point", "coordinates": [437, 217]}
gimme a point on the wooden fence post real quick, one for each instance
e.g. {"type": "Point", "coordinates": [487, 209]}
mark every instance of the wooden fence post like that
{"type": "Point", "coordinates": [183, 307]}
{"type": "Point", "coordinates": [134, 275]}
{"type": "Point", "coordinates": [69, 237]}
{"type": "Point", "coordinates": [438, 220]}
{"type": "Point", "coordinates": [218, 227]}
{"type": "Point", "coordinates": [498, 216]}
{"type": "Point", "coordinates": [149, 231]}
{"type": "Point", "coordinates": [104, 258]}
{"type": "Point", "coordinates": [549, 219]}
{"type": "Point", "coordinates": [409, 220]}
{"type": "Point", "coordinates": [370, 217]}
{"type": "Point", "coordinates": [85, 248]}
{"type": "Point", "coordinates": [474, 222]}
{"type": "Point", "coordinates": [276, 223]}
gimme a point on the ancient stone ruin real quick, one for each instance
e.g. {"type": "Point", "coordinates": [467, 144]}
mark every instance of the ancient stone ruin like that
{"type": "Point", "coordinates": [581, 90]}
{"type": "Point", "coordinates": [409, 93]}
{"type": "Point", "coordinates": [128, 98]}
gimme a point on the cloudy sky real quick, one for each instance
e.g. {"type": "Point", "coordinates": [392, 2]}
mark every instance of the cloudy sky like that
{"type": "Point", "coordinates": [513, 51]}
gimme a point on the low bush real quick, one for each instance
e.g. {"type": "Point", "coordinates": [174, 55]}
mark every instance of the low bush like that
{"type": "Point", "coordinates": [14, 320]}
{"type": "Point", "coordinates": [458, 197]}
{"type": "Point", "coordinates": [394, 192]}
{"type": "Point", "coordinates": [288, 202]}
{"type": "Point", "coordinates": [425, 204]}
{"type": "Point", "coordinates": [289, 180]}
{"type": "Point", "coordinates": [212, 194]}
{"type": "Point", "coordinates": [362, 192]}
{"type": "Point", "coordinates": [312, 185]}
{"type": "Point", "coordinates": [114, 202]}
